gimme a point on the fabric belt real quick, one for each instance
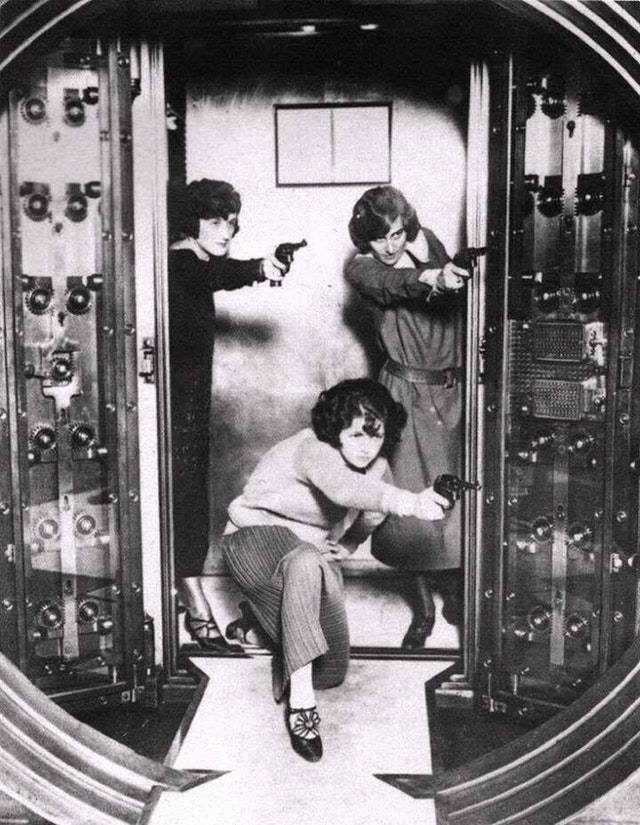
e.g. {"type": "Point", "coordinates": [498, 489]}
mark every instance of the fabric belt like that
{"type": "Point", "coordinates": [448, 377]}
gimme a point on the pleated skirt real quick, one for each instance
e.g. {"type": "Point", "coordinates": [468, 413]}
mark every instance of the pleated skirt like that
{"type": "Point", "coordinates": [297, 596]}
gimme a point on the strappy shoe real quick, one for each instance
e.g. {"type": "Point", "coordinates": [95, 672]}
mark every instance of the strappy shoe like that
{"type": "Point", "coordinates": [421, 626]}
{"type": "Point", "coordinates": [239, 629]}
{"type": "Point", "coordinates": [303, 726]}
{"type": "Point", "coordinates": [205, 633]}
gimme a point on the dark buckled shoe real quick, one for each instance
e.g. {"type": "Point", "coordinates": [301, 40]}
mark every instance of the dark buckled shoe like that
{"type": "Point", "coordinates": [420, 627]}
{"type": "Point", "coordinates": [239, 629]}
{"type": "Point", "coordinates": [205, 633]}
{"type": "Point", "coordinates": [302, 724]}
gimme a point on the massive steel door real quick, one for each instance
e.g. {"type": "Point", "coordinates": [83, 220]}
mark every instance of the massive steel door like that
{"type": "Point", "coordinates": [557, 592]}
{"type": "Point", "coordinates": [71, 611]}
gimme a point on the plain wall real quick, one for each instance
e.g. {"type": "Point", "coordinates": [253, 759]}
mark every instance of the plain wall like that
{"type": "Point", "coordinates": [277, 348]}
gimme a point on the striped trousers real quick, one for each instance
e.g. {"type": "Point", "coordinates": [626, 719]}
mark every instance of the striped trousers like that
{"type": "Point", "coordinates": [297, 596]}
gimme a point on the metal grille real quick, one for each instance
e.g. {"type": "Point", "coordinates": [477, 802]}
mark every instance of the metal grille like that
{"type": "Point", "coordinates": [557, 399]}
{"type": "Point", "coordinates": [558, 342]}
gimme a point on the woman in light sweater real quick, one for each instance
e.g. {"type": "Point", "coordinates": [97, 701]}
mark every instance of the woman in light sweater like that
{"type": "Point", "coordinates": [310, 501]}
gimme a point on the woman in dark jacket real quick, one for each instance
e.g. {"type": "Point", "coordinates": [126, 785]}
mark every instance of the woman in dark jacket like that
{"type": "Point", "coordinates": [204, 219]}
{"type": "Point", "coordinates": [405, 274]}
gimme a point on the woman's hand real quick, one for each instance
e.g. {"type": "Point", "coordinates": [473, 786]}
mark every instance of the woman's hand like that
{"type": "Point", "coordinates": [272, 269]}
{"type": "Point", "coordinates": [452, 277]}
{"type": "Point", "coordinates": [430, 505]}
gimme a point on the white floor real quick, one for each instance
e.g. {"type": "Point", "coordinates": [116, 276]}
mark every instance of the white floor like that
{"type": "Point", "coordinates": [376, 722]}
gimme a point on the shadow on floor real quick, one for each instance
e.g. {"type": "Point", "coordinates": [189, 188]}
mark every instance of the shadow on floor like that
{"type": "Point", "coordinates": [148, 731]}
{"type": "Point", "coordinates": [461, 733]}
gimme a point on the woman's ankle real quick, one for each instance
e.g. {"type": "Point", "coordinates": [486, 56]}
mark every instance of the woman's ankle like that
{"type": "Point", "coordinates": [202, 626]}
{"type": "Point", "coordinates": [304, 722]}
{"type": "Point", "coordinates": [199, 615]}
{"type": "Point", "coordinates": [301, 692]}
{"type": "Point", "coordinates": [302, 699]}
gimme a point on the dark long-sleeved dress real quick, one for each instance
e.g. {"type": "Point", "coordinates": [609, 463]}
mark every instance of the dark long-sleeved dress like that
{"type": "Point", "coordinates": [422, 337]}
{"type": "Point", "coordinates": [192, 283]}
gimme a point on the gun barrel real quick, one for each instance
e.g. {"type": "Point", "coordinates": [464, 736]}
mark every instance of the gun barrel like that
{"type": "Point", "coordinates": [284, 252]}
{"type": "Point", "coordinates": [471, 485]}
{"type": "Point", "coordinates": [452, 487]}
{"type": "Point", "coordinates": [469, 256]}
{"type": "Point", "coordinates": [289, 248]}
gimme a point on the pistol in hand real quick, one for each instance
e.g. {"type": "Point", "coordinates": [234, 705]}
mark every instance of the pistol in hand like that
{"type": "Point", "coordinates": [452, 487]}
{"type": "Point", "coordinates": [467, 258]}
{"type": "Point", "coordinates": [284, 252]}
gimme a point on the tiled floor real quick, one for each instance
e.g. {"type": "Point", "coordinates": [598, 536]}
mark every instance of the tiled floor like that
{"type": "Point", "coordinates": [376, 723]}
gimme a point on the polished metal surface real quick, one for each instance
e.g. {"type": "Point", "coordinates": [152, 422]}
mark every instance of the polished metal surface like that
{"type": "Point", "coordinates": [73, 580]}
{"type": "Point", "coordinates": [64, 770]}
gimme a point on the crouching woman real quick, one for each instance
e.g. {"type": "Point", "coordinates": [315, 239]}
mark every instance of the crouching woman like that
{"type": "Point", "coordinates": [310, 501]}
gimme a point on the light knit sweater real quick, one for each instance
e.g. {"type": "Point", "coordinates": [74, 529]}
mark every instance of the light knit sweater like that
{"type": "Point", "coordinates": [304, 484]}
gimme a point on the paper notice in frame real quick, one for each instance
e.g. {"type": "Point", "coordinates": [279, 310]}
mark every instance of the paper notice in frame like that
{"type": "Point", "coordinates": [333, 144]}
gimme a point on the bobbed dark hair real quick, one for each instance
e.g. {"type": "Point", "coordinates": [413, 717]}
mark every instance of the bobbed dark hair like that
{"type": "Point", "coordinates": [336, 408]}
{"type": "Point", "coordinates": [200, 199]}
{"type": "Point", "coordinates": [374, 213]}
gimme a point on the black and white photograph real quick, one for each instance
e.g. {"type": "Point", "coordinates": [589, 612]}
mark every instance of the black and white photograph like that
{"type": "Point", "coordinates": [319, 412]}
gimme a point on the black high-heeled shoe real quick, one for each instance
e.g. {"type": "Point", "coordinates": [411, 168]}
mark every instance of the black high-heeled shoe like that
{"type": "Point", "coordinates": [421, 626]}
{"type": "Point", "coordinates": [205, 633]}
{"type": "Point", "coordinates": [239, 629]}
{"type": "Point", "coordinates": [300, 723]}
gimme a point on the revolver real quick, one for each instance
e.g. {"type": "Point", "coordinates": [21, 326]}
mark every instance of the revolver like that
{"type": "Point", "coordinates": [284, 253]}
{"type": "Point", "coordinates": [467, 258]}
{"type": "Point", "coordinates": [452, 487]}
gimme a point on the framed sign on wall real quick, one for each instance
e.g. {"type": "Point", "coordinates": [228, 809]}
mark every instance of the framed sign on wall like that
{"type": "Point", "coordinates": [328, 144]}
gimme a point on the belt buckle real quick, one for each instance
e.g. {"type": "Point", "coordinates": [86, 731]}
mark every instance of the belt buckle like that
{"type": "Point", "coordinates": [449, 378]}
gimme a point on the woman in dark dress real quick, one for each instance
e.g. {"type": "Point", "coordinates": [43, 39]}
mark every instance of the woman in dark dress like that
{"type": "Point", "coordinates": [204, 219]}
{"type": "Point", "coordinates": [405, 274]}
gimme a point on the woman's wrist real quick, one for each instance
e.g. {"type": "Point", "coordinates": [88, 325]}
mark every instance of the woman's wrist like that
{"type": "Point", "coordinates": [433, 278]}
{"type": "Point", "coordinates": [260, 275]}
{"type": "Point", "coordinates": [398, 501]}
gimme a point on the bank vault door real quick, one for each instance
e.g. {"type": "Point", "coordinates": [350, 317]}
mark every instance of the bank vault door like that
{"type": "Point", "coordinates": [71, 580]}
{"type": "Point", "coordinates": [558, 590]}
